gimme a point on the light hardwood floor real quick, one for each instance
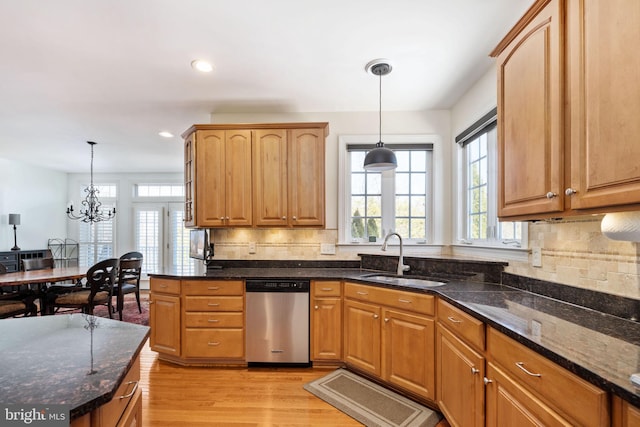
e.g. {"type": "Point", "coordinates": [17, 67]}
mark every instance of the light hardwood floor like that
{"type": "Point", "coordinates": [191, 396]}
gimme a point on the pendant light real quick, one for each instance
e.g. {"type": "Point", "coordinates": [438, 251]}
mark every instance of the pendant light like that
{"type": "Point", "coordinates": [380, 158]}
{"type": "Point", "coordinates": [91, 210]}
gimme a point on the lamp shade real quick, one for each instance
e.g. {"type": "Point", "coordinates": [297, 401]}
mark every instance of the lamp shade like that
{"type": "Point", "coordinates": [14, 219]}
{"type": "Point", "coordinates": [380, 159]}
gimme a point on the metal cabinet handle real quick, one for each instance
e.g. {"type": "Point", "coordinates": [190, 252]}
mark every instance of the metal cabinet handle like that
{"type": "Point", "coordinates": [362, 293]}
{"type": "Point", "coordinates": [164, 286]}
{"type": "Point", "coordinates": [213, 288]}
{"type": "Point", "coordinates": [133, 390]}
{"type": "Point", "coordinates": [570, 191]}
{"type": "Point", "coordinates": [213, 321]}
{"type": "Point", "coordinates": [213, 304]}
{"type": "Point", "coordinates": [295, 218]}
{"type": "Point", "coordinates": [474, 370]}
{"type": "Point", "coordinates": [227, 218]}
{"type": "Point", "coordinates": [221, 218]}
{"type": "Point", "coordinates": [316, 307]}
{"type": "Point", "coordinates": [551, 195]}
{"type": "Point", "coordinates": [213, 344]}
{"type": "Point", "coordinates": [284, 217]}
{"type": "Point", "coordinates": [526, 371]}
{"type": "Point", "coordinates": [375, 316]}
{"type": "Point", "coordinates": [487, 381]}
{"type": "Point", "coordinates": [386, 320]}
{"type": "Point", "coordinates": [406, 301]}
{"type": "Point", "coordinates": [454, 320]}
{"type": "Point", "coordinates": [327, 289]}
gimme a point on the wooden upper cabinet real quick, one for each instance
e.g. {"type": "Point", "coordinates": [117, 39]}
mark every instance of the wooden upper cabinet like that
{"type": "Point", "coordinates": [306, 177]}
{"type": "Point", "coordinates": [269, 175]}
{"type": "Point", "coordinates": [605, 102]}
{"type": "Point", "coordinates": [530, 117]}
{"type": "Point", "coordinates": [222, 178]}
{"type": "Point", "coordinates": [288, 167]}
{"type": "Point", "coordinates": [568, 102]}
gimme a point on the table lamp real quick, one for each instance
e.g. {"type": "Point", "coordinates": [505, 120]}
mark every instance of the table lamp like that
{"type": "Point", "coordinates": [14, 219]}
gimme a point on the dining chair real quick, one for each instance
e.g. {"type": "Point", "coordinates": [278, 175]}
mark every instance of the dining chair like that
{"type": "Point", "coordinates": [16, 303]}
{"type": "Point", "coordinates": [98, 290]}
{"type": "Point", "coordinates": [131, 255]}
{"type": "Point", "coordinates": [128, 282]}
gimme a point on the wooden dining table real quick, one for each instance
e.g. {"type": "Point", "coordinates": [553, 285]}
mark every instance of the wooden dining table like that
{"type": "Point", "coordinates": [41, 277]}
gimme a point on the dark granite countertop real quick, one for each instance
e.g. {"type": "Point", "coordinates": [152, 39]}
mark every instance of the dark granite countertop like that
{"type": "Point", "coordinates": [48, 360]}
{"type": "Point", "coordinates": [601, 348]}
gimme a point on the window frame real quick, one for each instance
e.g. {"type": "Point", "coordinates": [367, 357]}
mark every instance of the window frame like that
{"type": "Point", "coordinates": [435, 181]}
{"type": "Point", "coordinates": [485, 125]}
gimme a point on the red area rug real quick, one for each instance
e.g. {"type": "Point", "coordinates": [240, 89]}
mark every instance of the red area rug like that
{"type": "Point", "coordinates": [130, 313]}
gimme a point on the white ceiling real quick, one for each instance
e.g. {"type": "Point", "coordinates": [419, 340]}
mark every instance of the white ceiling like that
{"type": "Point", "coordinates": [118, 71]}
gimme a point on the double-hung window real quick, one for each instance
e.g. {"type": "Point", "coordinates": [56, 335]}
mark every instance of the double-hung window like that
{"type": "Point", "coordinates": [479, 190]}
{"type": "Point", "coordinates": [400, 200]}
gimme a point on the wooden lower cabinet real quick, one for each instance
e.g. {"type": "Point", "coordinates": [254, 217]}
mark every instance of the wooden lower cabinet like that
{"type": "Point", "coordinates": [406, 339]}
{"type": "Point", "coordinates": [460, 373]}
{"type": "Point", "coordinates": [394, 345]}
{"type": "Point", "coordinates": [197, 321]}
{"type": "Point", "coordinates": [124, 410]}
{"type": "Point", "coordinates": [326, 321]}
{"type": "Point", "coordinates": [624, 414]}
{"type": "Point", "coordinates": [164, 316]}
{"type": "Point", "coordinates": [510, 404]}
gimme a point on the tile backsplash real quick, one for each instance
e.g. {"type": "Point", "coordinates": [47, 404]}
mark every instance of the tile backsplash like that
{"type": "Point", "coordinates": [576, 253]}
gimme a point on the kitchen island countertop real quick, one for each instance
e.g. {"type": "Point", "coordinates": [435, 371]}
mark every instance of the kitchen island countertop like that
{"type": "Point", "coordinates": [62, 360]}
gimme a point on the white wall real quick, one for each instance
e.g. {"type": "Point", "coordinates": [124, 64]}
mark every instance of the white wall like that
{"type": "Point", "coordinates": [39, 196]}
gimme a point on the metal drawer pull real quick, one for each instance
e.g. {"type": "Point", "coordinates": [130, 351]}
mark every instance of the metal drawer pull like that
{"type": "Point", "coordinates": [213, 320]}
{"type": "Point", "coordinates": [520, 365]}
{"type": "Point", "coordinates": [327, 289]}
{"type": "Point", "coordinates": [135, 387]}
{"type": "Point", "coordinates": [487, 381]}
{"type": "Point", "coordinates": [362, 293]}
{"type": "Point", "coordinates": [213, 304]}
{"type": "Point", "coordinates": [213, 288]}
{"type": "Point", "coordinates": [474, 370]}
{"type": "Point", "coordinates": [454, 320]}
{"type": "Point", "coordinates": [404, 300]}
{"type": "Point", "coordinates": [316, 307]}
{"type": "Point", "coordinates": [215, 343]}
{"type": "Point", "coordinates": [164, 286]}
{"type": "Point", "coordinates": [375, 316]}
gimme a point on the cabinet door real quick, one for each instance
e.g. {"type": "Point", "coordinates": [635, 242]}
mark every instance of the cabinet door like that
{"type": "Point", "coordinates": [270, 177]}
{"type": "Point", "coordinates": [409, 352]}
{"type": "Point", "coordinates": [189, 180]}
{"type": "Point", "coordinates": [306, 177]}
{"type": "Point", "coordinates": [530, 118]}
{"type": "Point", "coordinates": [605, 102]}
{"type": "Point", "coordinates": [237, 194]}
{"type": "Point", "coordinates": [164, 320]}
{"type": "Point", "coordinates": [509, 404]}
{"type": "Point", "coordinates": [326, 329]}
{"type": "Point", "coordinates": [459, 375]}
{"type": "Point", "coordinates": [362, 336]}
{"type": "Point", "coordinates": [210, 176]}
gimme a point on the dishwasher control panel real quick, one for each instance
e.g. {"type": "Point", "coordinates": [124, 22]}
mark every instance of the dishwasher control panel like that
{"type": "Point", "coordinates": [278, 285]}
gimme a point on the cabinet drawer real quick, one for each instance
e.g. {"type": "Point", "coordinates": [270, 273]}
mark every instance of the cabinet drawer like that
{"type": "Point", "coordinates": [587, 404]}
{"type": "Point", "coordinates": [214, 320]}
{"type": "Point", "coordinates": [132, 417]}
{"type": "Point", "coordinates": [220, 343]}
{"type": "Point", "coordinates": [214, 303]}
{"type": "Point", "coordinates": [420, 303]}
{"type": "Point", "coordinates": [217, 287]}
{"type": "Point", "coordinates": [110, 413]}
{"type": "Point", "coordinates": [326, 289]}
{"type": "Point", "coordinates": [465, 326]}
{"type": "Point", "coordinates": [165, 286]}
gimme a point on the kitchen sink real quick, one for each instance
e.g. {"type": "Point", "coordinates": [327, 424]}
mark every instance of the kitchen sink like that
{"type": "Point", "coordinates": [408, 281]}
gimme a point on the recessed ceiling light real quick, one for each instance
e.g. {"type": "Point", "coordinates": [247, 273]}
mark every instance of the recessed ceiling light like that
{"type": "Point", "coordinates": [165, 134]}
{"type": "Point", "coordinates": [202, 65]}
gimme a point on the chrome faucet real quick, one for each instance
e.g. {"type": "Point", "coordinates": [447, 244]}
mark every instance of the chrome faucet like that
{"type": "Point", "coordinates": [401, 267]}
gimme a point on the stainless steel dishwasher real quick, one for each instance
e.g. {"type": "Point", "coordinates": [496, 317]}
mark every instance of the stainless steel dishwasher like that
{"type": "Point", "coordinates": [277, 322]}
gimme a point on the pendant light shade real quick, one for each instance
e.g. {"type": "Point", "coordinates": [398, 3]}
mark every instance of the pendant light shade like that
{"type": "Point", "coordinates": [380, 158]}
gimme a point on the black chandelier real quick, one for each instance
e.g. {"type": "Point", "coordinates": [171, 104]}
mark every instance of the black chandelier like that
{"type": "Point", "coordinates": [91, 207]}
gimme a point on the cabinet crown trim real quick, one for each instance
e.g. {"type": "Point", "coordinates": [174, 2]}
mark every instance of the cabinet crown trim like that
{"type": "Point", "coordinates": [251, 126]}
